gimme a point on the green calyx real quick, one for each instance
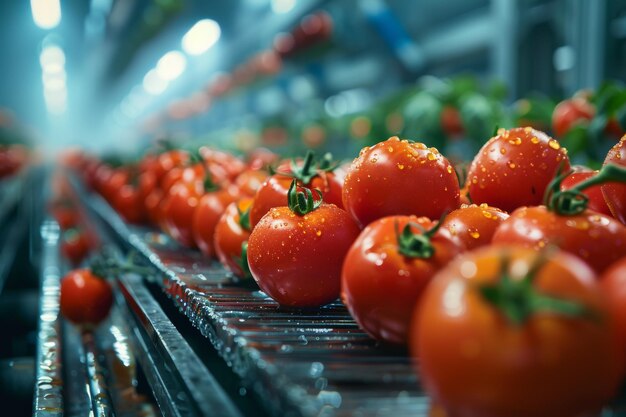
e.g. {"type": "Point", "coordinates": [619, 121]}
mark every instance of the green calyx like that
{"type": "Point", "coordinates": [518, 300]}
{"type": "Point", "coordinates": [207, 182]}
{"type": "Point", "coordinates": [244, 218]}
{"type": "Point", "coordinates": [302, 202]}
{"type": "Point", "coordinates": [573, 201]}
{"type": "Point", "coordinates": [309, 168]}
{"type": "Point", "coordinates": [416, 245]}
{"type": "Point", "coordinates": [243, 261]}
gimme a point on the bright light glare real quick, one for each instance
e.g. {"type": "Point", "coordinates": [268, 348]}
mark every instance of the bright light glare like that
{"type": "Point", "coordinates": [153, 84]}
{"type": "Point", "coordinates": [171, 65]}
{"type": "Point", "coordinates": [201, 37]}
{"type": "Point", "coordinates": [283, 6]}
{"type": "Point", "coordinates": [46, 13]}
{"type": "Point", "coordinates": [52, 59]}
{"type": "Point", "coordinates": [54, 84]}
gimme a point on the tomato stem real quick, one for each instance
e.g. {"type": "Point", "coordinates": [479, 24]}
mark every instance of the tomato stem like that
{"type": "Point", "coordinates": [301, 202]}
{"type": "Point", "coordinates": [574, 201]}
{"type": "Point", "coordinates": [243, 261]}
{"type": "Point", "coordinates": [518, 300]}
{"type": "Point", "coordinates": [416, 245]}
{"type": "Point", "coordinates": [244, 218]}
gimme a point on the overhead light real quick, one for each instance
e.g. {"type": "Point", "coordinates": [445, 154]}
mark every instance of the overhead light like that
{"type": "Point", "coordinates": [52, 59]}
{"type": "Point", "coordinates": [201, 37]}
{"type": "Point", "coordinates": [54, 83]}
{"type": "Point", "coordinates": [283, 6]}
{"type": "Point", "coordinates": [171, 65]}
{"type": "Point", "coordinates": [46, 13]}
{"type": "Point", "coordinates": [153, 84]}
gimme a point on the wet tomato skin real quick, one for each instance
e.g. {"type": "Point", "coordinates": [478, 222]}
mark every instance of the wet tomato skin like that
{"type": "Point", "coordinates": [475, 362]}
{"type": "Point", "coordinates": [394, 176]}
{"type": "Point", "coordinates": [297, 260]}
{"type": "Point", "coordinates": [177, 210]}
{"type": "Point", "coordinates": [615, 193]}
{"type": "Point", "coordinates": [85, 298]}
{"type": "Point", "coordinates": [210, 208]}
{"type": "Point", "coordinates": [472, 226]}
{"type": "Point", "coordinates": [514, 168]}
{"type": "Point", "coordinates": [613, 283]}
{"type": "Point", "coordinates": [596, 199]}
{"type": "Point", "coordinates": [380, 286]}
{"type": "Point", "coordinates": [570, 112]}
{"type": "Point", "coordinates": [230, 235]}
{"type": "Point", "coordinates": [597, 239]}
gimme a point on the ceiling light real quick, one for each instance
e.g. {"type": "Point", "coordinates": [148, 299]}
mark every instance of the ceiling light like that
{"type": "Point", "coordinates": [46, 13]}
{"type": "Point", "coordinates": [171, 65]}
{"type": "Point", "coordinates": [283, 6]}
{"type": "Point", "coordinates": [153, 84]}
{"type": "Point", "coordinates": [201, 37]}
{"type": "Point", "coordinates": [52, 59]}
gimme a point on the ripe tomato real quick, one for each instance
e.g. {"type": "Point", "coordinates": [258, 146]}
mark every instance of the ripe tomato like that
{"type": "Point", "coordinates": [206, 215]}
{"type": "Point", "coordinates": [230, 234]}
{"type": "Point", "coordinates": [229, 163]}
{"type": "Point", "coordinates": [250, 180]}
{"type": "Point", "coordinates": [85, 298]}
{"type": "Point", "coordinates": [400, 177]}
{"type": "Point", "coordinates": [76, 245]}
{"type": "Point", "coordinates": [65, 213]}
{"type": "Point", "coordinates": [118, 178]}
{"type": "Point", "coordinates": [596, 199]}
{"type": "Point", "coordinates": [511, 332]}
{"type": "Point", "coordinates": [177, 209]}
{"type": "Point", "coordinates": [12, 158]}
{"type": "Point", "coordinates": [472, 226]}
{"type": "Point", "coordinates": [168, 160]}
{"type": "Point", "coordinates": [128, 204]}
{"type": "Point", "coordinates": [296, 258]}
{"type": "Point", "coordinates": [615, 193]}
{"type": "Point", "coordinates": [597, 239]}
{"type": "Point", "coordinates": [261, 158]}
{"type": "Point", "coordinates": [569, 113]}
{"type": "Point", "coordinates": [386, 270]}
{"type": "Point", "coordinates": [273, 192]}
{"type": "Point", "coordinates": [514, 168]}
{"type": "Point", "coordinates": [451, 122]}
{"type": "Point", "coordinates": [613, 282]}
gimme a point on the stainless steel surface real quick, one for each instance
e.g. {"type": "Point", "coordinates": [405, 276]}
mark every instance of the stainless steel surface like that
{"type": "Point", "coordinates": [10, 192]}
{"type": "Point", "coordinates": [180, 382]}
{"type": "Point", "coordinates": [48, 399]}
{"type": "Point", "coordinates": [99, 393]}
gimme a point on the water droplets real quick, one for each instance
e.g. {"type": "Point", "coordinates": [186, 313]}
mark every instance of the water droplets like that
{"type": "Point", "coordinates": [554, 144]}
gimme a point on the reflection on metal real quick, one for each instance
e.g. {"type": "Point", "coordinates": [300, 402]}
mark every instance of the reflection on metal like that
{"type": "Point", "coordinates": [302, 363]}
{"type": "Point", "coordinates": [48, 400]}
{"type": "Point", "coordinates": [100, 399]}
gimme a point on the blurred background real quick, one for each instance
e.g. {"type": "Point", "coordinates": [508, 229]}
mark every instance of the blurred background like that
{"type": "Point", "coordinates": [292, 74]}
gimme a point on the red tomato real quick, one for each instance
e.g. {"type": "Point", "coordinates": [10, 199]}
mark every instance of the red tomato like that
{"type": "Point", "coordinates": [261, 158]}
{"type": "Point", "coordinates": [177, 209]}
{"type": "Point", "coordinates": [118, 178]}
{"type": "Point", "coordinates": [451, 122]}
{"type": "Point", "coordinates": [168, 160]}
{"type": "Point", "coordinates": [384, 275]}
{"type": "Point", "coordinates": [297, 259]}
{"type": "Point", "coordinates": [596, 199]}
{"type": "Point", "coordinates": [85, 298]}
{"type": "Point", "coordinates": [12, 158]}
{"type": "Point", "coordinates": [511, 332]}
{"type": "Point", "coordinates": [230, 233]}
{"type": "Point", "coordinates": [613, 282]}
{"type": "Point", "coordinates": [250, 181]}
{"type": "Point", "coordinates": [472, 226]}
{"type": "Point", "coordinates": [514, 168]}
{"type": "Point", "coordinates": [400, 177]}
{"type": "Point", "coordinates": [273, 192]}
{"type": "Point", "coordinates": [76, 245]}
{"type": "Point", "coordinates": [615, 193]}
{"type": "Point", "coordinates": [154, 209]}
{"type": "Point", "coordinates": [128, 204]}
{"type": "Point", "coordinates": [206, 215]}
{"type": "Point", "coordinates": [66, 214]}
{"type": "Point", "coordinates": [569, 113]}
{"type": "Point", "coordinates": [230, 164]}
{"type": "Point", "coordinates": [597, 239]}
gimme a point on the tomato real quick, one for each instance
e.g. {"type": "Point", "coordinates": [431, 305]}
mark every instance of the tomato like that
{"type": "Point", "coordinates": [154, 211]}
{"type": "Point", "coordinates": [597, 239]}
{"type": "Point", "coordinates": [115, 181]}
{"type": "Point", "coordinates": [230, 233]}
{"type": "Point", "coordinates": [261, 158]}
{"type": "Point", "coordinates": [12, 158]}
{"type": "Point", "coordinates": [76, 245]}
{"type": "Point", "coordinates": [512, 332]}
{"type": "Point", "coordinates": [451, 122]}
{"type": "Point", "coordinates": [569, 113]}
{"type": "Point", "coordinates": [615, 193]}
{"type": "Point", "coordinates": [596, 199]}
{"type": "Point", "coordinates": [65, 213]}
{"type": "Point", "coordinates": [128, 204]}
{"type": "Point", "coordinates": [228, 163]}
{"type": "Point", "coordinates": [514, 168]}
{"type": "Point", "coordinates": [296, 258]}
{"type": "Point", "coordinates": [400, 177]}
{"type": "Point", "coordinates": [472, 226]}
{"type": "Point", "coordinates": [613, 283]}
{"type": "Point", "coordinates": [85, 298]}
{"type": "Point", "coordinates": [386, 270]}
{"type": "Point", "coordinates": [206, 215]}
{"type": "Point", "coordinates": [168, 160]}
{"type": "Point", "coordinates": [250, 180]}
{"type": "Point", "coordinates": [273, 192]}
{"type": "Point", "coordinates": [177, 209]}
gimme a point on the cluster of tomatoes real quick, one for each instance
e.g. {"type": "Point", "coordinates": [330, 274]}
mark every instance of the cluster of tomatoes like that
{"type": "Point", "coordinates": [12, 159]}
{"type": "Point", "coordinates": [507, 288]}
